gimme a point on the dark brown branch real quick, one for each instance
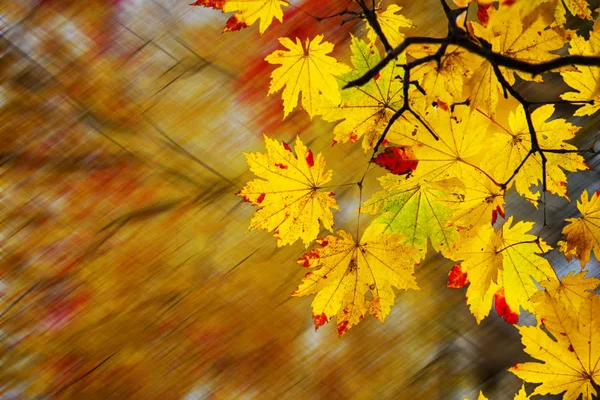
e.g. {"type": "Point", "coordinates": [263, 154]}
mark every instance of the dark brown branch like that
{"type": "Point", "coordinates": [371, 17]}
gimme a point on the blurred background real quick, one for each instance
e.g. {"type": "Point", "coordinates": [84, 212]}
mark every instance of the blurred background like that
{"type": "Point", "coordinates": [125, 269]}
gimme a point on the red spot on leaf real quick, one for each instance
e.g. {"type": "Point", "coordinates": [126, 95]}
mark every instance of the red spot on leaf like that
{"type": "Point", "coordinates": [543, 321]}
{"type": "Point", "coordinates": [495, 213]}
{"type": "Point", "coordinates": [319, 320]}
{"type": "Point", "coordinates": [377, 76]}
{"type": "Point", "coordinates": [323, 243]}
{"type": "Point", "coordinates": [353, 138]}
{"type": "Point", "coordinates": [309, 158]}
{"type": "Point", "coordinates": [334, 143]}
{"type": "Point", "coordinates": [457, 278]}
{"type": "Point", "coordinates": [385, 142]}
{"type": "Point", "coordinates": [305, 259]}
{"type": "Point", "coordinates": [342, 328]}
{"type": "Point", "coordinates": [571, 349]}
{"type": "Point", "coordinates": [282, 166]}
{"type": "Point", "coordinates": [397, 160]}
{"type": "Point", "coordinates": [503, 310]}
{"type": "Point", "coordinates": [597, 193]}
{"type": "Point", "coordinates": [443, 105]}
{"type": "Point", "coordinates": [308, 275]}
{"type": "Point", "coordinates": [260, 198]}
{"type": "Point", "coordinates": [331, 194]}
{"type": "Point", "coordinates": [482, 13]}
{"type": "Point", "coordinates": [286, 146]}
{"type": "Point", "coordinates": [508, 2]}
{"type": "Point", "coordinates": [233, 24]}
{"type": "Point", "coordinates": [562, 183]}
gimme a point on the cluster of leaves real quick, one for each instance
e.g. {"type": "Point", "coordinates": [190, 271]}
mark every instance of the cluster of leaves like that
{"type": "Point", "coordinates": [456, 134]}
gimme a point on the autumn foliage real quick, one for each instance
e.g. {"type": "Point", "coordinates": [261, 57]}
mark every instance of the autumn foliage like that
{"type": "Point", "coordinates": [118, 278]}
{"type": "Point", "coordinates": [449, 120]}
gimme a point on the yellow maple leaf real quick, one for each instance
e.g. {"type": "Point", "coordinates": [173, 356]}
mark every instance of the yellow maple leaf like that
{"type": "Point", "coordinates": [570, 359]}
{"type": "Point", "coordinates": [444, 81]}
{"type": "Point", "coordinates": [345, 273]}
{"type": "Point", "coordinates": [579, 8]}
{"type": "Point", "coordinates": [582, 235]}
{"type": "Point", "coordinates": [308, 70]}
{"type": "Point", "coordinates": [476, 201]}
{"type": "Point", "coordinates": [503, 260]}
{"type": "Point", "coordinates": [461, 142]}
{"type": "Point", "coordinates": [288, 195]}
{"type": "Point", "coordinates": [391, 22]}
{"type": "Point", "coordinates": [366, 110]}
{"type": "Point", "coordinates": [531, 43]}
{"type": "Point", "coordinates": [520, 395]}
{"type": "Point", "coordinates": [510, 147]}
{"type": "Point", "coordinates": [247, 12]}
{"type": "Point", "coordinates": [571, 290]}
{"type": "Point", "coordinates": [584, 79]}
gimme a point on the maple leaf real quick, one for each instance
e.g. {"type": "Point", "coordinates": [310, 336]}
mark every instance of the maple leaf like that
{"type": "Point", "coordinates": [444, 81]}
{"type": "Point", "coordinates": [582, 235]}
{"type": "Point", "coordinates": [476, 201]}
{"type": "Point", "coordinates": [344, 272]}
{"type": "Point", "coordinates": [584, 79]}
{"type": "Point", "coordinates": [571, 290]}
{"type": "Point", "coordinates": [501, 264]}
{"type": "Point", "coordinates": [391, 22]}
{"type": "Point", "coordinates": [579, 8]}
{"type": "Point", "coordinates": [458, 150]}
{"type": "Point", "coordinates": [570, 359]}
{"type": "Point", "coordinates": [511, 147]}
{"type": "Point", "coordinates": [414, 211]}
{"type": "Point", "coordinates": [307, 69]}
{"type": "Point", "coordinates": [288, 196]}
{"type": "Point", "coordinates": [520, 395]}
{"type": "Point", "coordinates": [530, 43]}
{"type": "Point", "coordinates": [366, 109]}
{"type": "Point", "coordinates": [247, 12]}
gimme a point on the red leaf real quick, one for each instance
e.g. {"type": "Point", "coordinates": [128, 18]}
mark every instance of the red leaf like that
{"type": "Point", "coordinates": [457, 278]}
{"type": "Point", "coordinates": [502, 308]}
{"type": "Point", "coordinates": [397, 160]}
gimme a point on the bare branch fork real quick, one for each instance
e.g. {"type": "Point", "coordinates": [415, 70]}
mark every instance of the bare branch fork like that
{"type": "Point", "coordinates": [459, 37]}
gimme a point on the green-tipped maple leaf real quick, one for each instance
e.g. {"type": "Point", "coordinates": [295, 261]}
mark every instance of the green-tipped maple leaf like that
{"type": "Point", "coordinates": [414, 210]}
{"type": "Point", "coordinates": [366, 110]}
